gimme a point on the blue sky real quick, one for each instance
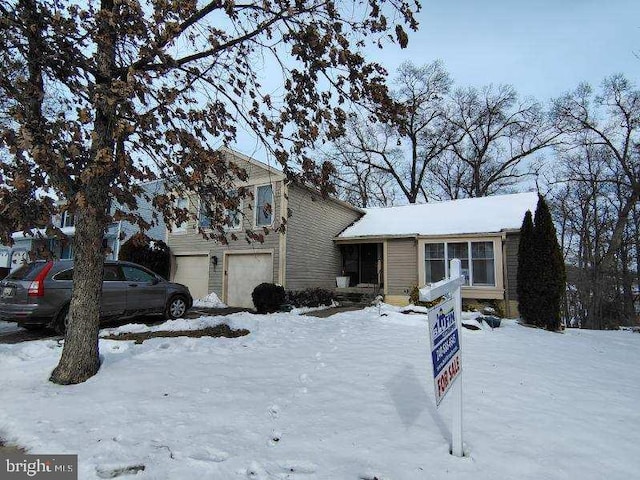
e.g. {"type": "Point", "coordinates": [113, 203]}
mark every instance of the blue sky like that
{"type": "Point", "coordinates": [542, 47]}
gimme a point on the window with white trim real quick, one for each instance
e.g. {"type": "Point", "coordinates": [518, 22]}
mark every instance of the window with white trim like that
{"type": "Point", "coordinates": [483, 263]}
{"type": "Point", "coordinates": [435, 262]}
{"type": "Point", "coordinates": [204, 220]}
{"type": "Point", "coordinates": [460, 250]}
{"type": "Point", "coordinates": [264, 205]}
{"type": "Point", "coordinates": [68, 219]}
{"type": "Point", "coordinates": [232, 216]}
{"type": "Point", "coordinates": [479, 272]}
{"type": "Point", "coordinates": [182, 203]}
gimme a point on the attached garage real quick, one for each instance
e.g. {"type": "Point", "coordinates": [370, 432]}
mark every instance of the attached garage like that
{"type": "Point", "coordinates": [244, 272]}
{"type": "Point", "coordinates": [193, 271]}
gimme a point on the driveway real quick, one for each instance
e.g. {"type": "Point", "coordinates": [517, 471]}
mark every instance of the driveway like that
{"type": "Point", "coordinates": [11, 333]}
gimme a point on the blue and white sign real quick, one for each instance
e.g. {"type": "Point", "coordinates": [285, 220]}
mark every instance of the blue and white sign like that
{"type": "Point", "coordinates": [445, 347]}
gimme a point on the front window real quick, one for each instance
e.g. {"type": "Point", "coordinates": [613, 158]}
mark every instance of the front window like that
{"type": "Point", "coordinates": [264, 206]}
{"type": "Point", "coordinates": [460, 250]}
{"type": "Point", "coordinates": [483, 263]}
{"type": "Point", "coordinates": [434, 262]}
{"type": "Point", "coordinates": [480, 271]}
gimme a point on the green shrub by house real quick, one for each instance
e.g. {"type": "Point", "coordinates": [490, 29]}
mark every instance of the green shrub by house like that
{"type": "Point", "coordinates": [310, 297]}
{"type": "Point", "coordinates": [528, 267]}
{"type": "Point", "coordinates": [268, 297]}
{"type": "Point", "coordinates": [551, 280]}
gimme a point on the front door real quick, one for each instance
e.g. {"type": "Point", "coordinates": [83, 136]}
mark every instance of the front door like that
{"type": "Point", "coordinates": [369, 263]}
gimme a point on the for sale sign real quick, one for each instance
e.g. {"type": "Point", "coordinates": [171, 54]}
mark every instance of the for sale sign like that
{"type": "Point", "coordinates": [445, 347]}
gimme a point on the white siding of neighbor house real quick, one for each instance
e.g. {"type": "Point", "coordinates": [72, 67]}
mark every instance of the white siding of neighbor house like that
{"type": "Point", "coordinates": [313, 258]}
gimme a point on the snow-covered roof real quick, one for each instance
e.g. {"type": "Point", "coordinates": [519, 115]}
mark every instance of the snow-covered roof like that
{"type": "Point", "coordinates": [41, 233]}
{"type": "Point", "coordinates": [453, 217]}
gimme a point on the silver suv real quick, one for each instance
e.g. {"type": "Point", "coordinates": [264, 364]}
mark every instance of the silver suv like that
{"type": "Point", "coordinates": [37, 294]}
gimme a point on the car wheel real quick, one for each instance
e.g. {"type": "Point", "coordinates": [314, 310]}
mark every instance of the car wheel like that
{"type": "Point", "coordinates": [62, 321]}
{"type": "Point", "coordinates": [176, 307]}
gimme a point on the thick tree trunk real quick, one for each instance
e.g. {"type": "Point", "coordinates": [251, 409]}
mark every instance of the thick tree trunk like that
{"type": "Point", "coordinates": [80, 356]}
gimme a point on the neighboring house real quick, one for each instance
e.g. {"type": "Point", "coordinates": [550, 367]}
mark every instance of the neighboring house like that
{"type": "Point", "coordinates": [398, 248]}
{"type": "Point", "coordinates": [14, 256]}
{"type": "Point", "coordinates": [302, 256]}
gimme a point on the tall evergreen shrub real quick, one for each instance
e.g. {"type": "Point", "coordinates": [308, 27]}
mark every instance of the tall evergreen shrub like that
{"type": "Point", "coordinates": [551, 284]}
{"type": "Point", "coordinates": [527, 271]}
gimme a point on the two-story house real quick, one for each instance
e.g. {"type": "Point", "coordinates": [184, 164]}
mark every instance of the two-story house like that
{"type": "Point", "coordinates": [381, 250]}
{"type": "Point", "coordinates": [302, 256]}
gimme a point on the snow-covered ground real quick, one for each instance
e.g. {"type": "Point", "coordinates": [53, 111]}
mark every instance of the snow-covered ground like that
{"type": "Point", "coordinates": [346, 397]}
{"type": "Point", "coordinates": [9, 327]}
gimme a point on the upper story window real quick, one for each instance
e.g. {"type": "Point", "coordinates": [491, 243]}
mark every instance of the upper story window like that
{"type": "Point", "coordinates": [68, 219]}
{"type": "Point", "coordinates": [479, 272]}
{"type": "Point", "coordinates": [264, 205]}
{"type": "Point", "coordinates": [204, 220]}
{"type": "Point", "coordinates": [182, 203]}
{"type": "Point", "coordinates": [233, 216]}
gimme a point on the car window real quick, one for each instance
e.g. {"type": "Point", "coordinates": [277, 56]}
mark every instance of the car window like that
{"type": "Point", "coordinates": [27, 272]}
{"type": "Point", "coordinates": [111, 273]}
{"type": "Point", "coordinates": [64, 275]}
{"type": "Point", "coordinates": [133, 274]}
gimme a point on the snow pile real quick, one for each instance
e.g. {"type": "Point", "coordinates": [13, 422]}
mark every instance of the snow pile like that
{"type": "Point", "coordinates": [235, 322]}
{"type": "Point", "coordinates": [210, 301]}
{"type": "Point", "coordinates": [468, 215]}
{"type": "Point", "coordinates": [346, 397]}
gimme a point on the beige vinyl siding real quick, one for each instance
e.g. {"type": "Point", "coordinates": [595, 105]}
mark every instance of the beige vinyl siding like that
{"type": "Point", "coordinates": [191, 242]}
{"type": "Point", "coordinates": [313, 258]}
{"type": "Point", "coordinates": [402, 266]}
{"type": "Point", "coordinates": [512, 243]}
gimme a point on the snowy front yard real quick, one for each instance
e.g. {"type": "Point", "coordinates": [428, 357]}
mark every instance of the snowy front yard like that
{"type": "Point", "coordinates": [348, 397]}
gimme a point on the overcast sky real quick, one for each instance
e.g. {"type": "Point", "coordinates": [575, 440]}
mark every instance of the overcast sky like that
{"type": "Point", "coordinates": [542, 47]}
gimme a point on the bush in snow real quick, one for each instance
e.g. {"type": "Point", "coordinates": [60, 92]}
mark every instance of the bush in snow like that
{"type": "Point", "coordinates": [541, 272]}
{"type": "Point", "coordinates": [153, 254]}
{"type": "Point", "coordinates": [528, 266]}
{"type": "Point", "coordinates": [310, 297]}
{"type": "Point", "coordinates": [268, 297]}
{"type": "Point", "coordinates": [551, 282]}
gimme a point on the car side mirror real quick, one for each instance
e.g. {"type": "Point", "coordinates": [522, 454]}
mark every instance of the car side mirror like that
{"type": "Point", "coordinates": [155, 281]}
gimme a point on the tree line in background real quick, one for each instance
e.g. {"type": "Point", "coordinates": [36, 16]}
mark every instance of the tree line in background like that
{"type": "Point", "coordinates": [437, 142]}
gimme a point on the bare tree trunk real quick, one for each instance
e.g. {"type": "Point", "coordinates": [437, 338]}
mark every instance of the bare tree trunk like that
{"type": "Point", "coordinates": [80, 356]}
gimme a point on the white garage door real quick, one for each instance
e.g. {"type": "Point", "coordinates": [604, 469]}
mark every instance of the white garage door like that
{"type": "Point", "coordinates": [244, 273]}
{"type": "Point", "coordinates": [193, 271]}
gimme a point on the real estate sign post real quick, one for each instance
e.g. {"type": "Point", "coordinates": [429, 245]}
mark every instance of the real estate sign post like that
{"type": "Point", "coordinates": [444, 333]}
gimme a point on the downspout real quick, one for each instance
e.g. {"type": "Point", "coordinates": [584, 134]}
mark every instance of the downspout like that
{"type": "Point", "coordinates": [117, 252]}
